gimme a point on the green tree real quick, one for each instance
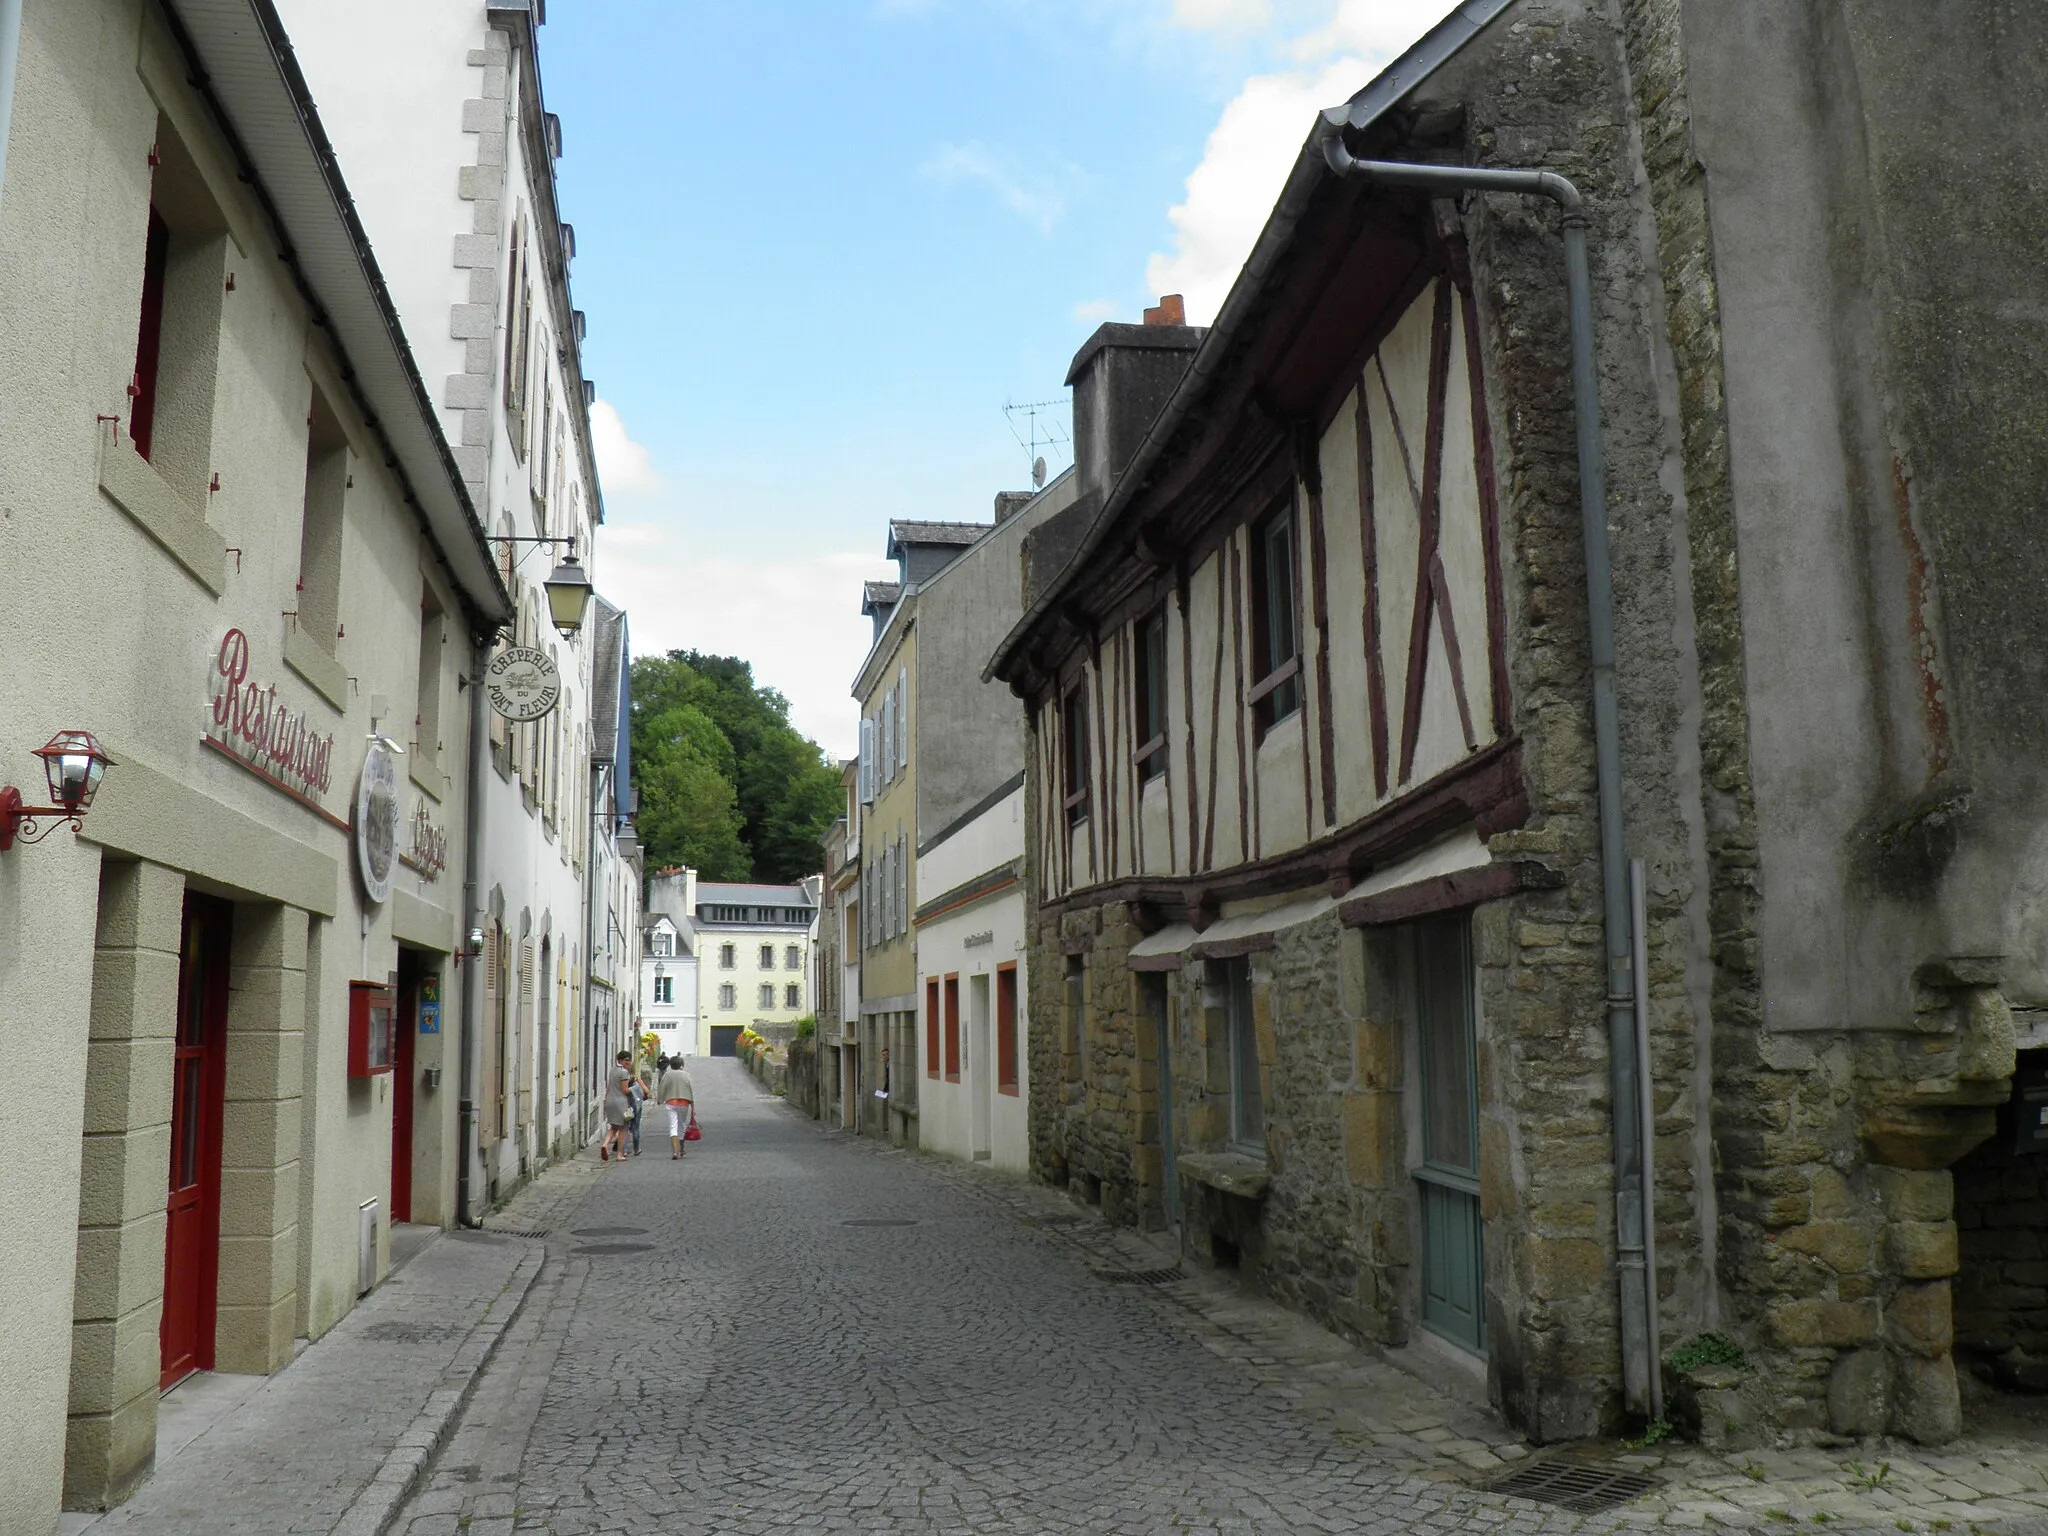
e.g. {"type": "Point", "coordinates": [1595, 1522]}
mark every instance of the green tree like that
{"type": "Point", "coordinates": [696, 717]}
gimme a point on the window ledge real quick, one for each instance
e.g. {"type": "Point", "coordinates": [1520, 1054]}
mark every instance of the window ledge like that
{"type": "Point", "coordinates": [1234, 1173]}
{"type": "Point", "coordinates": [328, 676]}
{"type": "Point", "coordinates": [133, 485]}
{"type": "Point", "coordinates": [428, 776]}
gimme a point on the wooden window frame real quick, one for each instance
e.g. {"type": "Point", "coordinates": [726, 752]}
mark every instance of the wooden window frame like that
{"type": "Point", "coordinates": [1277, 694]}
{"type": "Point", "coordinates": [1006, 1028]}
{"type": "Point", "coordinates": [792, 996]}
{"type": "Point", "coordinates": [1074, 757]}
{"type": "Point", "coordinates": [1149, 696]}
{"type": "Point", "coordinates": [953, 1026]}
{"type": "Point", "coordinates": [931, 1026]}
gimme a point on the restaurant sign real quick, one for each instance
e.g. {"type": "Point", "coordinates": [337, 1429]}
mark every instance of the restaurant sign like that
{"type": "Point", "coordinates": [522, 682]}
{"type": "Point", "coordinates": [429, 852]}
{"type": "Point", "coordinates": [251, 723]}
{"type": "Point", "coordinates": [377, 820]}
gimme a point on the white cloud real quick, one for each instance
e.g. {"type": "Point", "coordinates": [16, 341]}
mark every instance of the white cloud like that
{"type": "Point", "coordinates": [1222, 15]}
{"type": "Point", "coordinates": [1245, 161]}
{"type": "Point", "coordinates": [1095, 311]}
{"type": "Point", "coordinates": [1036, 198]}
{"type": "Point", "coordinates": [796, 618]}
{"type": "Point", "coordinates": [622, 464]}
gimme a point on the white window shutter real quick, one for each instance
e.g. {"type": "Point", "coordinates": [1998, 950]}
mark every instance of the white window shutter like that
{"type": "Point", "coordinates": [867, 762]}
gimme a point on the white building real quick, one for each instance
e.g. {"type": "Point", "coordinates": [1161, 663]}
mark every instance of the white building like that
{"type": "Point", "coordinates": [753, 945]}
{"type": "Point", "coordinates": [668, 986]}
{"type": "Point", "coordinates": [612, 920]}
{"type": "Point", "coordinates": [436, 116]}
{"type": "Point", "coordinates": [974, 1100]}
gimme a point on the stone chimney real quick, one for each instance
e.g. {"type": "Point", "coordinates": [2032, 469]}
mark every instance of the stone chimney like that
{"type": "Point", "coordinates": [1122, 377]}
{"type": "Point", "coordinates": [1010, 503]}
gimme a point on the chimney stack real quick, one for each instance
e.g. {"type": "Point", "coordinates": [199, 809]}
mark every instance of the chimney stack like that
{"type": "Point", "coordinates": [1122, 378]}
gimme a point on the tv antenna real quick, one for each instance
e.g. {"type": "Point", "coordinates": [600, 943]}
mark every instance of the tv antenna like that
{"type": "Point", "coordinates": [1040, 427]}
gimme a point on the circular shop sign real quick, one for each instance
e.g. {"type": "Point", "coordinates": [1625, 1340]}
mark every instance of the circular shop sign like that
{"type": "Point", "coordinates": [522, 682]}
{"type": "Point", "coordinates": [377, 821]}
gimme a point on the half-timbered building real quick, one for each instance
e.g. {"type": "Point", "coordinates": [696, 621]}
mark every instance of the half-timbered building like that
{"type": "Point", "coordinates": [1390, 799]}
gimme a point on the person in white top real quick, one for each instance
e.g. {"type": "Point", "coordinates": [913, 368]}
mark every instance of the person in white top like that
{"type": "Point", "coordinates": [680, 1094]}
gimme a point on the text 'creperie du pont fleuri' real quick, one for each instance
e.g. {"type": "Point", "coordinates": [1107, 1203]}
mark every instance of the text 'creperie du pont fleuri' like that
{"type": "Point", "coordinates": [249, 720]}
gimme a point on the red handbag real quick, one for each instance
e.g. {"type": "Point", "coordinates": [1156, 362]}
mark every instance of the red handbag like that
{"type": "Point", "coordinates": [690, 1131]}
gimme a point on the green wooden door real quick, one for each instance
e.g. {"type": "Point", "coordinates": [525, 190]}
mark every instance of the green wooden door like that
{"type": "Point", "coordinates": [1453, 1288]}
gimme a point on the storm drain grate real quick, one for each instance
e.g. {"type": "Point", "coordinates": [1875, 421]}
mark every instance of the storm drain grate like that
{"type": "Point", "coordinates": [607, 1231]}
{"type": "Point", "coordinates": [1138, 1276]}
{"type": "Point", "coordinates": [520, 1231]}
{"type": "Point", "coordinates": [606, 1250]}
{"type": "Point", "coordinates": [880, 1221]}
{"type": "Point", "coordinates": [1584, 1488]}
{"type": "Point", "coordinates": [1055, 1221]}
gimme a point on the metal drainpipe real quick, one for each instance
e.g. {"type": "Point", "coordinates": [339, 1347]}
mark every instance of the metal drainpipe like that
{"type": "Point", "coordinates": [1639, 1372]}
{"type": "Point", "coordinates": [10, 51]}
{"type": "Point", "coordinates": [472, 920]}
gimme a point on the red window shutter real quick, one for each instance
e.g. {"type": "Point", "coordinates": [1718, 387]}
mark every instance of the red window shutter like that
{"type": "Point", "coordinates": [149, 334]}
{"type": "Point", "coordinates": [1006, 1029]}
{"type": "Point", "coordinates": [931, 1027]}
{"type": "Point", "coordinates": [953, 1029]}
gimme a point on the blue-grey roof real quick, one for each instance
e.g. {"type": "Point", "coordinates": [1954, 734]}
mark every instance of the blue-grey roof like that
{"type": "Point", "coordinates": [751, 895]}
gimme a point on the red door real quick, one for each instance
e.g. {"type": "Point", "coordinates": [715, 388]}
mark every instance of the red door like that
{"type": "Point", "coordinates": [404, 1036]}
{"type": "Point", "coordinates": [198, 1082]}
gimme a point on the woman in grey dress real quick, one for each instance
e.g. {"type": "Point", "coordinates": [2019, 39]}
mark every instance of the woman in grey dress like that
{"type": "Point", "coordinates": [617, 1111]}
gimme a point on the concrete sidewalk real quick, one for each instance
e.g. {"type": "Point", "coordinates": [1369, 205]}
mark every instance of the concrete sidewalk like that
{"type": "Point", "coordinates": [334, 1441]}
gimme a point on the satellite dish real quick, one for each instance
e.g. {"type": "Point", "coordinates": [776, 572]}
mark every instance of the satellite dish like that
{"type": "Point", "coordinates": [1038, 473]}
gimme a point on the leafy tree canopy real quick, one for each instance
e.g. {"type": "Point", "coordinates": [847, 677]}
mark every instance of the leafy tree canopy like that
{"type": "Point", "coordinates": [727, 785]}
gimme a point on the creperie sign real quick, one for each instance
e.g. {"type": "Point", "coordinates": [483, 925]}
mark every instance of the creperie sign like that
{"type": "Point", "coordinates": [266, 733]}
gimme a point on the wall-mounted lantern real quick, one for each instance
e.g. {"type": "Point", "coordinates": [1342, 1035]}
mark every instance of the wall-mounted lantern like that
{"type": "Point", "coordinates": [74, 764]}
{"type": "Point", "coordinates": [568, 589]}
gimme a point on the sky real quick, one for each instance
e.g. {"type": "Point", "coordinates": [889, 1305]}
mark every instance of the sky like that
{"type": "Point", "coordinates": [822, 245]}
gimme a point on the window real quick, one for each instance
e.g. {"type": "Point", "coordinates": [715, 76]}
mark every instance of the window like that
{"type": "Point", "coordinates": [931, 1027]}
{"type": "Point", "coordinates": [664, 989]}
{"type": "Point", "coordinates": [1006, 1027]}
{"type": "Point", "coordinates": [319, 601]}
{"type": "Point", "coordinates": [1247, 1105]}
{"type": "Point", "coordinates": [426, 720]}
{"type": "Point", "coordinates": [767, 957]}
{"type": "Point", "coordinates": [1074, 743]}
{"type": "Point", "coordinates": [727, 957]}
{"type": "Point", "coordinates": [792, 958]}
{"type": "Point", "coordinates": [792, 996]}
{"type": "Point", "coordinates": [1148, 708]}
{"type": "Point", "coordinates": [1276, 644]}
{"type": "Point", "coordinates": [953, 1028]}
{"type": "Point", "coordinates": [767, 996]}
{"type": "Point", "coordinates": [177, 331]}
{"type": "Point", "coordinates": [728, 997]}
{"type": "Point", "coordinates": [662, 943]}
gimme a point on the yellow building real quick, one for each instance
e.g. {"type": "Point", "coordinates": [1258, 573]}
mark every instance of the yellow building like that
{"type": "Point", "coordinates": [753, 947]}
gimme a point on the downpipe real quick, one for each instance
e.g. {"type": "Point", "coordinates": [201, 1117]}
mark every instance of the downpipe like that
{"type": "Point", "coordinates": [10, 54]}
{"type": "Point", "coordinates": [1626, 1046]}
{"type": "Point", "coordinates": [472, 921]}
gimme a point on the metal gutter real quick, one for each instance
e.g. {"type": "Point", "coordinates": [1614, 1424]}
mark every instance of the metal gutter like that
{"type": "Point", "coordinates": [1625, 1037]}
{"type": "Point", "coordinates": [474, 983]}
{"type": "Point", "coordinates": [242, 66]}
{"type": "Point", "coordinates": [1385, 91]}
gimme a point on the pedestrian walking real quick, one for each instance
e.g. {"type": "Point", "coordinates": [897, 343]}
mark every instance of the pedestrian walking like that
{"type": "Point", "coordinates": [636, 1096]}
{"type": "Point", "coordinates": [680, 1095]}
{"type": "Point", "coordinates": [617, 1107]}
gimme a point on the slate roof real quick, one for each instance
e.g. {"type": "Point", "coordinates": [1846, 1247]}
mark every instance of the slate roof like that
{"type": "Point", "coordinates": [709, 894]}
{"type": "Point", "coordinates": [879, 594]}
{"type": "Point", "coordinates": [904, 531]}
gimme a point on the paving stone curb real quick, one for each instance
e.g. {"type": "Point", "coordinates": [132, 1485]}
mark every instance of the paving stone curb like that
{"type": "Point", "coordinates": [373, 1510]}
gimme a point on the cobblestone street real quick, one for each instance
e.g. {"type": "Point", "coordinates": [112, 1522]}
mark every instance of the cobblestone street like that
{"type": "Point", "coordinates": [794, 1331]}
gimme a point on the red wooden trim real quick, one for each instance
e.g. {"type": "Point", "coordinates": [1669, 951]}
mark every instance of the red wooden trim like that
{"type": "Point", "coordinates": [1489, 515]}
{"type": "Point", "coordinates": [931, 1026]}
{"type": "Point", "coordinates": [1441, 586]}
{"type": "Point", "coordinates": [1149, 749]}
{"type": "Point", "coordinates": [1446, 893]}
{"type": "Point", "coordinates": [1099, 812]}
{"type": "Point", "coordinates": [953, 1026]}
{"type": "Point", "coordinates": [1187, 689]}
{"type": "Point", "coordinates": [1290, 668]}
{"type": "Point", "coordinates": [1368, 540]}
{"type": "Point", "coordinates": [1006, 1028]}
{"type": "Point", "coordinates": [1483, 791]}
{"type": "Point", "coordinates": [156, 256]}
{"type": "Point", "coordinates": [1319, 590]}
{"type": "Point", "coordinates": [279, 785]}
{"type": "Point", "coordinates": [1247, 842]}
{"type": "Point", "coordinates": [1426, 528]}
{"type": "Point", "coordinates": [1216, 706]}
{"type": "Point", "coordinates": [1137, 787]}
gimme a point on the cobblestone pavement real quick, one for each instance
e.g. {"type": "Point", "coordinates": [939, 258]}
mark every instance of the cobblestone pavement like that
{"type": "Point", "coordinates": [333, 1442]}
{"type": "Point", "coordinates": [797, 1331]}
